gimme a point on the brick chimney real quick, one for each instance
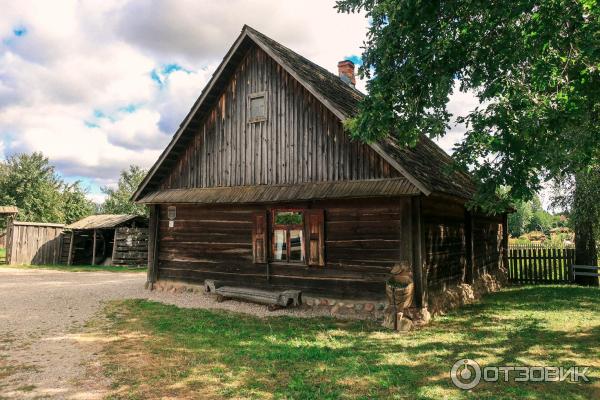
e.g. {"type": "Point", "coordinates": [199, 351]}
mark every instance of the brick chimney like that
{"type": "Point", "coordinates": [346, 72]}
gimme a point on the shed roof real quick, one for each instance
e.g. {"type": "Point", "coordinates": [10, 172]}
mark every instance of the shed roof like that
{"type": "Point", "coordinates": [426, 165]}
{"type": "Point", "coordinates": [102, 221]}
{"type": "Point", "coordinates": [278, 193]}
{"type": "Point", "coordinates": [9, 210]}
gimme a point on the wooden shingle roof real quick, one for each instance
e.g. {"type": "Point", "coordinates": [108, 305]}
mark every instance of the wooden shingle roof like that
{"type": "Point", "coordinates": [279, 193]}
{"type": "Point", "coordinates": [103, 221]}
{"type": "Point", "coordinates": [426, 165]}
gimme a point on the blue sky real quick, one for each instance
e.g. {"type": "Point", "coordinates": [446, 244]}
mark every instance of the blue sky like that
{"type": "Point", "coordinates": [99, 85]}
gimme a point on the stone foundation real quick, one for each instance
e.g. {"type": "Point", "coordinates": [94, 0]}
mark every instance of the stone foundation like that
{"type": "Point", "coordinates": [439, 303]}
{"type": "Point", "coordinates": [342, 308]}
{"type": "Point", "coordinates": [364, 309]}
{"type": "Point", "coordinates": [452, 297]}
{"type": "Point", "coordinates": [177, 287]}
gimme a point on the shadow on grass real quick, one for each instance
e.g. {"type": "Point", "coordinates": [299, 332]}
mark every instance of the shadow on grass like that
{"type": "Point", "coordinates": [285, 357]}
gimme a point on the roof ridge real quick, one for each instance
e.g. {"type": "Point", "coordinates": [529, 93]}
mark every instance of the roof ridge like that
{"type": "Point", "coordinates": [423, 165]}
{"type": "Point", "coordinates": [307, 60]}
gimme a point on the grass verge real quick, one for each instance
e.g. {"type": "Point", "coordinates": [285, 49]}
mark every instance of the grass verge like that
{"type": "Point", "coordinates": [161, 351]}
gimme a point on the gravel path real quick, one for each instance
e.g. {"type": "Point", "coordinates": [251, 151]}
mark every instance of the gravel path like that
{"type": "Point", "coordinates": [42, 312]}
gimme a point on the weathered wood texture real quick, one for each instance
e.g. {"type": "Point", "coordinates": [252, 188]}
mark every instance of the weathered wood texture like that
{"type": "Point", "coordinates": [362, 243]}
{"type": "Point", "coordinates": [130, 247]}
{"type": "Point", "coordinates": [153, 234]}
{"type": "Point", "coordinates": [35, 244]}
{"type": "Point", "coordinates": [66, 248]}
{"type": "Point", "coordinates": [449, 253]}
{"type": "Point", "coordinates": [488, 244]}
{"type": "Point", "coordinates": [445, 242]}
{"type": "Point", "coordinates": [539, 265]}
{"type": "Point", "coordinates": [300, 141]}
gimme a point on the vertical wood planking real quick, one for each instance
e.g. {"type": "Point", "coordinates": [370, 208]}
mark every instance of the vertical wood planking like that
{"type": "Point", "coordinates": [301, 140]}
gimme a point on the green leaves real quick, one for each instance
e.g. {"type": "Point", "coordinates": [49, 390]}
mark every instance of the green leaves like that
{"type": "Point", "coordinates": [29, 182]}
{"type": "Point", "coordinates": [534, 65]}
{"type": "Point", "coordinates": [118, 200]}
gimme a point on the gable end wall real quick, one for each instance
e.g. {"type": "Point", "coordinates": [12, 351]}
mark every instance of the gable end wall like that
{"type": "Point", "coordinates": [301, 140]}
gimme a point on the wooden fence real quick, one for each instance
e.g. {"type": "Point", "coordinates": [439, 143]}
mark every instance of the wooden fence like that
{"type": "Point", "coordinates": [33, 243]}
{"type": "Point", "coordinates": [538, 264]}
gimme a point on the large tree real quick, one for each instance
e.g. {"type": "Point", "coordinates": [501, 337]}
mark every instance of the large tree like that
{"type": "Point", "coordinates": [31, 183]}
{"type": "Point", "coordinates": [75, 203]}
{"type": "Point", "coordinates": [118, 200]}
{"type": "Point", "coordinates": [534, 65]}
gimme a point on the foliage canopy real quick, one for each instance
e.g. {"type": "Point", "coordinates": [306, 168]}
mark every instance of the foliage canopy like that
{"type": "Point", "coordinates": [534, 65]}
{"type": "Point", "coordinates": [118, 200]}
{"type": "Point", "coordinates": [30, 182]}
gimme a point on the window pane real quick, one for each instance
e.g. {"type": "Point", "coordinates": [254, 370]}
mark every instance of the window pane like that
{"type": "Point", "coordinates": [279, 244]}
{"type": "Point", "coordinates": [288, 218]}
{"type": "Point", "coordinates": [296, 245]}
{"type": "Point", "coordinates": [257, 107]}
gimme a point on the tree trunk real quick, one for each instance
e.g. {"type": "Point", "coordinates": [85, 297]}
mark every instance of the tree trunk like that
{"type": "Point", "coordinates": [586, 252]}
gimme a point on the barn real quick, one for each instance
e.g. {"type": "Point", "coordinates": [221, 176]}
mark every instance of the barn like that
{"type": "Point", "coordinates": [261, 186]}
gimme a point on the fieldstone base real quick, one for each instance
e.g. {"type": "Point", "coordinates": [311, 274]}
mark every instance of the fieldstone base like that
{"type": "Point", "coordinates": [341, 308]}
{"type": "Point", "coordinates": [452, 297]}
{"type": "Point", "coordinates": [367, 309]}
{"type": "Point", "coordinates": [177, 287]}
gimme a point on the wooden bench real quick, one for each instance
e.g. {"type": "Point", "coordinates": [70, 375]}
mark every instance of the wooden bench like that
{"type": "Point", "coordinates": [285, 298]}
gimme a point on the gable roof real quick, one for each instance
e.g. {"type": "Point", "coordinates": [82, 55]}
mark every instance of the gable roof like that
{"type": "Point", "coordinates": [103, 221]}
{"type": "Point", "coordinates": [426, 165]}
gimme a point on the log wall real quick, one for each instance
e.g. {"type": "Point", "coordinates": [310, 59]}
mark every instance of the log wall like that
{"type": "Point", "coordinates": [130, 246]}
{"type": "Point", "coordinates": [363, 240]}
{"type": "Point", "coordinates": [446, 243]}
{"type": "Point", "coordinates": [488, 245]}
{"type": "Point", "coordinates": [300, 141]}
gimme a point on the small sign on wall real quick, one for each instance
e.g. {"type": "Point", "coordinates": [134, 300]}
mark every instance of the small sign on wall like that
{"type": "Point", "coordinates": [172, 214]}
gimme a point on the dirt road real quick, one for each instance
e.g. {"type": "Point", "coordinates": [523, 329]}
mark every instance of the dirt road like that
{"type": "Point", "coordinates": [45, 352]}
{"type": "Point", "coordinates": [42, 355]}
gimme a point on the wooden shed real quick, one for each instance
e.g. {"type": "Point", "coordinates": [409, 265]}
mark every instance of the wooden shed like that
{"type": "Point", "coordinates": [262, 186]}
{"type": "Point", "coordinates": [106, 239]}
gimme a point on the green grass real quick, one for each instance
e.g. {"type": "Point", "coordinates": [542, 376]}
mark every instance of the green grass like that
{"type": "Point", "coordinates": [161, 351]}
{"type": "Point", "coordinates": [2, 253]}
{"type": "Point", "coordinates": [79, 268]}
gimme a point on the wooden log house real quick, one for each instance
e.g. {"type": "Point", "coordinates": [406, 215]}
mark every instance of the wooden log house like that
{"type": "Point", "coordinates": [261, 186]}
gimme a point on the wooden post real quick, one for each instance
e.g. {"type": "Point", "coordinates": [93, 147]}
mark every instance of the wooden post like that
{"type": "Point", "coordinates": [10, 232]}
{"type": "Point", "coordinates": [70, 256]}
{"type": "Point", "coordinates": [505, 241]}
{"type": "Point", "coordinates": [94, 250]}
{"type": "Point", "coordinates": [470, 250]}
{"type": "Point", "coordinates": [153, 233]}
{"type": "Point", "coordinates": [114, 251]}
{"type": "Point", "coordinates": [417, 236]}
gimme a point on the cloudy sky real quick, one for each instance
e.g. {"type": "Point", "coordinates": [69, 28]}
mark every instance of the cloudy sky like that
{"type": "Point", "coordinates": [98, 85]}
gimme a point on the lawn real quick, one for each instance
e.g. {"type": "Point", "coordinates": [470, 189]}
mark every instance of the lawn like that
{"type": "Point", "coordinates": [79, 268]}
{"type": "Point", "coordinates": [161, 351]}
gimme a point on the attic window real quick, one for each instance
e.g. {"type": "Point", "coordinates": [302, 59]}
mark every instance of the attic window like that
{"type": "Point", "coordinates": [257, 107]}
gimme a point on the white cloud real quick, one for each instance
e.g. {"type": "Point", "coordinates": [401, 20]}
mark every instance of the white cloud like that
{"type": "Point", "coordinates": [460, 105]}
{"type": "Point", "coordinates": [75, 75]}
